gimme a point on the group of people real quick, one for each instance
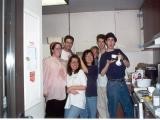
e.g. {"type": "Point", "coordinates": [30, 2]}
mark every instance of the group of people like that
{"type": "Point", "coordinates": [87, 86]}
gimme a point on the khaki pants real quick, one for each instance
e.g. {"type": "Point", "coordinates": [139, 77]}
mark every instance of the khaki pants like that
{"type": "Point", "coordinates": [102, 103]}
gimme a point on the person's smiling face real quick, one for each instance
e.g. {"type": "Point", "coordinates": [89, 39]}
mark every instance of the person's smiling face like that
{"type": "Point", "coordinates": [68, 44]}
{"type": "Point", "coordinates": [74, 64]}
{"type": "Point", "coordinates": [89, 58]}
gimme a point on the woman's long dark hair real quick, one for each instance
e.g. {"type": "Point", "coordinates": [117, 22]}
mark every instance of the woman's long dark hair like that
{"type": "Point", "coordinates": [84, 55]}
{"type": "Point", "coordinates": [69, 69]}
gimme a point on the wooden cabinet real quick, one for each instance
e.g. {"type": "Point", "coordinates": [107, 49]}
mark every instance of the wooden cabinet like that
{"type": "Point", "coordinates": [151, 18]}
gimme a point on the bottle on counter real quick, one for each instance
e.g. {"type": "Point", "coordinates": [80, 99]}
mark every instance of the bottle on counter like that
{"type": "Point", "coordinates": [156, 95]}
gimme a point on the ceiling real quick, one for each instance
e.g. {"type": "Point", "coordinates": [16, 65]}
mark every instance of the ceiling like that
{"type": "Point", "coordinates": [93, 5]}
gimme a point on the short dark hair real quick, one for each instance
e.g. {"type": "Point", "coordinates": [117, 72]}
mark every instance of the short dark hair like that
{"type": "Point", "coordinates": [84, 55]}
{"type": "Point", "coordinates": [101, 36]}
{"type": "Point", "coordinates": [69, 69]}
{"type": "Point", "coordinates": [52, 46]}
{"type": "Point", "coordinates": [68, 37]}
{"type": "Point", "coordinates": [94, 47]}
{"type": "Point", "coordinates": [110, 34]}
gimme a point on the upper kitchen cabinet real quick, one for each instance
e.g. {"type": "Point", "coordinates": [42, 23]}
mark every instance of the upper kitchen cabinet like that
{"type": "Point", "coordinates": [151, 18]}
{"type": "Point", "coordinates": [127, 26]}
{"type": "Point", "coordinates": [85, 26]}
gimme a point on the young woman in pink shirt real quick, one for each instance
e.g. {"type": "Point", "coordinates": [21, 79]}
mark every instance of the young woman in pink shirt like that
{"type": "Point", "coordinates": [54, 76]}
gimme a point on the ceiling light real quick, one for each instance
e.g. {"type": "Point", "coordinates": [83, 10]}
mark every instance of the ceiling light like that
{"type": "Point", "coordinates": [53, 2]}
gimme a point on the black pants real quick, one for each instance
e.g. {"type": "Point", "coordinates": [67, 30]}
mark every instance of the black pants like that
{"type": "Point", "coordinates": [55, 108]}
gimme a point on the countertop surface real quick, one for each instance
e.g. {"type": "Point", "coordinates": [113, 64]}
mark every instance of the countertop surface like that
{"type": "Point", "coordinates": [147, 103]}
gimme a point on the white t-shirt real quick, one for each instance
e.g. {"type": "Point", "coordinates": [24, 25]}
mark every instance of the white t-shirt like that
{"type": "Point", "coordinates": [78, 100]}
{"type": "Point", "coordinates": [65, 55]}
{"type": "Point", "coordinates": [102, 80]}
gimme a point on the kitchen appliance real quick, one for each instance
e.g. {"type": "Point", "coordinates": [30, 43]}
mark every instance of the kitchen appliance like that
{"type": "Point", "coordinates": [144, 83]}
{"type": "Point", "coordinates": [151, 72]}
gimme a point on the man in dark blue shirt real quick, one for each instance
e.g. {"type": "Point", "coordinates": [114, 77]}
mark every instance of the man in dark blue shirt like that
{"type": "Point", "coordinates": [117, 91]}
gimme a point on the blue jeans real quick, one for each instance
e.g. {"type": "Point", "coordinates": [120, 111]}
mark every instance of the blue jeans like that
{"type": "Point", "coordinates": [72, 112]}
{"type": "Point", "coordinates": [90, 108]}
{"type": "Point", "coordinates": [117, 92]}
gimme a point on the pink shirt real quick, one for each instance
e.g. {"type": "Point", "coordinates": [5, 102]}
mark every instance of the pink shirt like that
{"type": "Point", "coordinates": [54, 76]}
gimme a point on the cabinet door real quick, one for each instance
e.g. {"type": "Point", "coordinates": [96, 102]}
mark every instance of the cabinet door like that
{"type": "Point", "coordinates": [86, 26]}
{"type": "Point", "coordinates": [128, 30]}
{"type": "Point", "coordinates": [157, 15]}
{"type": "Point", "coordinates": [151, 18]}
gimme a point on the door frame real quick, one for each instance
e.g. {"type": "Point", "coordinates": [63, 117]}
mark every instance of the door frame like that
{"type": "Point", "coordinates": [2, 57]}
{"type": "Point", "coordinates": [19, 61]}
{"type": "Point", "coordinates": [12, 67]}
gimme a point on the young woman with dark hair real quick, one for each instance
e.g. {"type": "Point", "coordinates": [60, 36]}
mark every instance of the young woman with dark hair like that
{"type": "Point", "coordinates": [76, 86]}
{"type": "Point", "coordinates": [91, 71]}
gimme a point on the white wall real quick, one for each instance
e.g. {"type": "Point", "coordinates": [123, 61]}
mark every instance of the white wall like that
{"type": "Point", "coordinates": [46, 51]}
{"type": "Point", "coordinates": [139, 57]}
{"type": "Point", "coordinates": [37, 110]}
{"type": "Point", "coordinates": [86, 25]}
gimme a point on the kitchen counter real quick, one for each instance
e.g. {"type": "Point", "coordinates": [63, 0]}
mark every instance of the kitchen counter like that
{"type": "Point", "coordinates": [146, 104]}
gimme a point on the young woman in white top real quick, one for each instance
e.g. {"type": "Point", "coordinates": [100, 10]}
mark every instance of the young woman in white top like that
{"type": "Point", "coordinates": [76, 86]}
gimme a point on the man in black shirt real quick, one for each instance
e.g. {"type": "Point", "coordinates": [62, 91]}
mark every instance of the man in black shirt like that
{"type": "Point", "coordinates": [117, 91]}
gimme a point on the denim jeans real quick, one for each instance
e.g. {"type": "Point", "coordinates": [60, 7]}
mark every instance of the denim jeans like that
{"type": "Point", "coordinates": [117, 92]}
{"type": "Point", "coordinates": [90, 108]}
{"type": "Point", "coordinates": [72, 112]}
